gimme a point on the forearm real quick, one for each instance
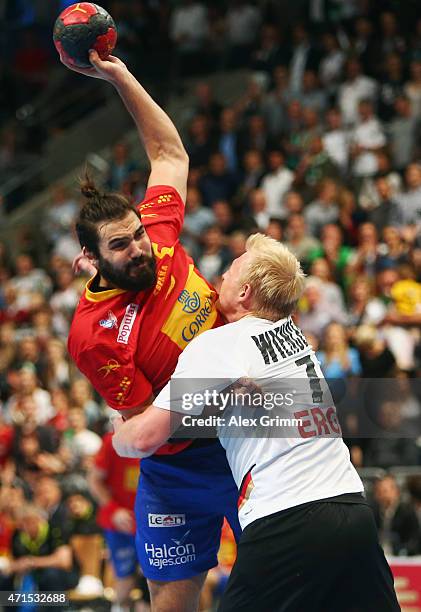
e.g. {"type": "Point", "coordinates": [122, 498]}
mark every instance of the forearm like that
{"type": "Point", "coordinates": [143, 434]}
{"type": "Point", "coordinates": [61, 559]}
{"type": "Point", "coordinates": [158, 133]}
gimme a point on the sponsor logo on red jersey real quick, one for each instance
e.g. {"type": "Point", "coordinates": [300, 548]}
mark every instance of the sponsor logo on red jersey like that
{"type": "Point", "coordinates": [126, 324]}
{"type": "Point", "coordinates": [110, 322]}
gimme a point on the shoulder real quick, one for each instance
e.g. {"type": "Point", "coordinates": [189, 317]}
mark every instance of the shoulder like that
{"type": "Point", "coordinates": [215, 339]}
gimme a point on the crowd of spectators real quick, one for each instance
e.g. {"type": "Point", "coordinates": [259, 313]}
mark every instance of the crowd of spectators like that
{"type": "Point", "coordinates": [322, 151]}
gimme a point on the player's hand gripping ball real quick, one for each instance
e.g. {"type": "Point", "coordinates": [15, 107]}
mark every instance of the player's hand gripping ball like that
{"type": "Point", "coordinates": [81, 27]}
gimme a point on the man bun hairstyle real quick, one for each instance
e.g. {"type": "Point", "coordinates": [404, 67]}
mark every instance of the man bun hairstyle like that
{"type": "Point", "coordinates": [100, 207]}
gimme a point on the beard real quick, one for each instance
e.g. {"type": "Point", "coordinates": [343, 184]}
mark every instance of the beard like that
{"type": "Point", "coordinates": [137, 275]}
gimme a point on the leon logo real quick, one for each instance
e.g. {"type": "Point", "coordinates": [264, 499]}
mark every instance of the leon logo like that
{"type": "Point", "coordinates": [191, 301]}
{"type": "Point", "coordinates": [127, 324]}
{"type": "Point", "coordinates": [166, 520]}
{"type": "Point", "coordinates": [110, 322]}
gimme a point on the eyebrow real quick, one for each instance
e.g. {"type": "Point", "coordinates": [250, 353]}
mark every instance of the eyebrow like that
{"type": "Point", "coordinates": [140, 228]}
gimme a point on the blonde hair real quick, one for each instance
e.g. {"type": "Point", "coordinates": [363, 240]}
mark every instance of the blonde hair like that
{"type": "Point", "coordinates": [275, 276]}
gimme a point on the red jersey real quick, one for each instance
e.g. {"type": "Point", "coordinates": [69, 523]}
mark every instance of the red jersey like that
{"type": "Point", "coordinates": [121, 475]}
{"type": "Point", "coordinates": [127, 343]}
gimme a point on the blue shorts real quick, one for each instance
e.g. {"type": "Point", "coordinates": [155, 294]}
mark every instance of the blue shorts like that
{"type": "Point", "coordinates": [122, 548]}
{"type": "Point", "coordinates": [180, 507]}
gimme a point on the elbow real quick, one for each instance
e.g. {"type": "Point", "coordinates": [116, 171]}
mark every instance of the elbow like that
{"type": "Point", "coordinates": [144, 447]}
{"type": "Point", "coordinates": [174, 154]}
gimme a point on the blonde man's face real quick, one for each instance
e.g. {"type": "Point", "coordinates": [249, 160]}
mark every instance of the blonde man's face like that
{"type": "Point", "coordinates": [231, 286]}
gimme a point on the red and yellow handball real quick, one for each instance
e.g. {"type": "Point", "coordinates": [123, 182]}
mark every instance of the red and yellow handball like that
{"type": "Point", "coordinates": [81, 27]}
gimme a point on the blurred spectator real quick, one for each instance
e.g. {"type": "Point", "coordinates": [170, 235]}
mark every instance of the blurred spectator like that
{"type": "Point", "coordinates": [28, 388]}
{"type": "Point", "coordinates": [350, 216]}
{"type": "Point", "coordinates": [82, 442]}
{"type": "Point", "coordinates": [255, 135]}
{"type": "Point", "coordinates": [331, 291]}
{"type": "Point", "coordinates": [121, 166]}
{"type": "Point", "coordinates": [274, 104]}
{"type": "Point", "coordinates": [58, 369]}
{"type": "Point", "coordinates": [377, 361]}
{"type": "Point", "coordinates": [229, 143]}
{"type": "Point", "coordinates": [391, 86]}
{"type": "Point", "coordinates": [396, 520]}
{"type": "Point", "coordinates": [391, 40]}
{"type": "Point", "coordinates": [215, 257]}
{"type": "Point", "coordinates": [386, 211]}
{"type": "Point", "coordinates": [29, 281]}
{"type": "Point", "coordinates": [334, 251]}
{"type": "Point", "coordinates": [337, 359]}
{"type": "Point", "coordinates": [196, 219]}
{"type": "Point", "coordinates": [113, 483]}
{"type": "Point", "coordinates": [218, 183]}
{"type": "Point", "coordinates": [242, 24]}
{"type": "Point", "coordinates": [64, 301]}
{"type": "Point", "coordinates": [298, 239]}
{"type": "Point", "coordinates": [365, 258]}
{"type": "Point", "coordinates": [315, 311]}
{"type": "Point", "coordinates": [363, 44]}
{"type": "Point", "coordinates": [402, 132]}
{"type": "Point", "coordinates": [253, 172]}
{"type": "Point", "coordinates": [315, 166]}
{"type": "Point", "coordinates": [270, 52]}
{"type": "Point", "coordinates": [259, 211]}
{"type": "Point", "coordinates": [189, 31]}
{"type": "Point", "coordinates": [49, 498]}
{"type": "Point", "coordinates": [43, 553]}
{"type": "Point", "coordinates": [199, 143]}
{"type": "Point", "coordinates": [364, 308]}
{"type": "Point", "coordinates": [368, 196]}
{"type": "Point", "coordinates": [336, 140]}
{"type": "Point", "coordinates": [331, 64]}
{"type": "Point", "coordinates": [293, 202]}
{"type": "Point", "coordinates": [413, 88]}
{"type": "Point", "coordinates": [366, 138]}
{"type": "Point", "coordinates": [324, 210]}
{"type": "Point", "coordinates": [356, 87]}
{"type": "Point", "coordinates": [304, 56]}
{"type": "Point", "coordinates": [409, 202]}
{"type": "Point", "coordinates": [393, 251]}
{"type": "Point", "coordinates": [60, 215]}
{"type": "Point", "coordinates": [312, 95]}
{"type": "Point", "coordinates": [205, 104]}
{"type": "Point", "coordinates": [224, 217]}
{"type": "Point", "coordinates": [276, 183]}
{"type": "Point", "coordinates": [81, 396]}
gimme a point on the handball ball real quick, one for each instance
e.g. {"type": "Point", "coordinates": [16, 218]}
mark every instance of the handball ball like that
{"type": "Point", "coordinates": [81, 27]}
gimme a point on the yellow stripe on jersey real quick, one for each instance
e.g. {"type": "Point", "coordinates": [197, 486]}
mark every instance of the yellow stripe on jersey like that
{"type": "Point", "coordinates": [193, 312]}
{"type": "Point", "coordinates": [161, 252]}
{"type": "Point", "coordinates": [100, 296]}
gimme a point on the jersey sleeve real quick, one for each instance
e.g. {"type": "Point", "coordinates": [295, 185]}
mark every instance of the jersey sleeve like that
{"type": "Point", "coordinates": [162, 212]}
{"type": "Point", "coordinates": [115, 376]}
{"type": "Point", "coordinates": [205, 366]}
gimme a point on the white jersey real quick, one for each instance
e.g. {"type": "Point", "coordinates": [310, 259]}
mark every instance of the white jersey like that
{"type": "Point", "coordinates": [275, 465]}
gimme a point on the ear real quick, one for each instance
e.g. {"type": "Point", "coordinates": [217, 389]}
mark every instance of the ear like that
{"type": "Point", "coordinates": [89, 255]}
{"type": "Point", "coordinates": [245, 294]}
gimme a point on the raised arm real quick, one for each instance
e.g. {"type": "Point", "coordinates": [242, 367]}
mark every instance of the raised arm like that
{"type": "Point", "coordinates": [162, 142]}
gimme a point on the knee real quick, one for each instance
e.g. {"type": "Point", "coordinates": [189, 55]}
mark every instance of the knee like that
{"type": "Point", "coordinates": [176, 596]}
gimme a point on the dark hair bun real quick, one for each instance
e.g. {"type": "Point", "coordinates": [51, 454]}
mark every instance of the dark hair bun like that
{"type": "Point", "coordinates": [88, 188]}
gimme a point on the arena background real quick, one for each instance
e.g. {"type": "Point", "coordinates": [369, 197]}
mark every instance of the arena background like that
{"type": "Point", "coordinates": [302, 120]}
